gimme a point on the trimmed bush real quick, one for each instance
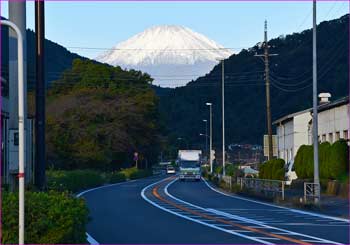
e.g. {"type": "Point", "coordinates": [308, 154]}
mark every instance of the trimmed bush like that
{"type": "Point", "coordinates": [50, 218]}
{"type": "Point", "coordinates": [273, 169]}
{"type": "Point", "coordinates": [73, 181]}
{"type": "Point", "coordinates": [333, 160]}
{"type": "Point", "coordinates": [117, 177]}
{"type": "Point", "coordinates": [339, 159]}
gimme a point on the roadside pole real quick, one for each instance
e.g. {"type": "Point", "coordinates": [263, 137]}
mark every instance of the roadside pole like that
{"type": "Point", "coordinates": [206, 137]}
{"type": "Point", "coordinates": [314, 109]}
{"type": "Point", "coordinates": [40, 96]}
{"type": "Point", "coordinates": [21, 118]}
{"type": "Point", "coordinates": [223, 117]}
{"type": "Point", "coordinates": [211, 136]}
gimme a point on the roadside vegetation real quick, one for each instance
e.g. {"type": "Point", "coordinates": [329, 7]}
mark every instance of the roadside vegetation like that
{"type": "Point", "coordinates": [333, 161]}
{"type": "Point", "coordinates": [51, 218]}
{"type": "Point", "coordinates": [97, 117]}
{"type": "Point", "coordinates": [273, 170]}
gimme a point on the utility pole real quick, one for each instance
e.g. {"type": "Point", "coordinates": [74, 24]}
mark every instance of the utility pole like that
{"type": "Point", "coordinates": [315, 113]}
{"type": "Point", "coordinates": [40, 96]}
{"type": "Point", "coordinates": [211, 136]}
{"type": "Point", "coordinates": [223, 112]}
{"type": "Point", "coordinates": [267, 89]}
{"type": "Point", "coordinates": [223, 117]}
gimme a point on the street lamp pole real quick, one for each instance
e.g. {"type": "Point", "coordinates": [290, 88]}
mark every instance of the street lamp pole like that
{"type": "Point", "coordinates": [211, 135]}
{"type": "Point", "coordinates": [206, 138]}
{"type": "Point", "coordinates": [21, 118]}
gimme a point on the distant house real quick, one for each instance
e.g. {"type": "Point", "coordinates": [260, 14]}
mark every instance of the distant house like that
{"type": "Point", "coordinates": [295, 129]}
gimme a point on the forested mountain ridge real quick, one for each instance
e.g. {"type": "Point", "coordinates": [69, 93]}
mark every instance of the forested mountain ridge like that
{"type": "Point", "coordinates": [291, 86]}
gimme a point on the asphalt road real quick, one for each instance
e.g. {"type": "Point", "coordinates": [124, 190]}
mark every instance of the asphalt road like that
{"type": "Point", "coordinates": [163, 210]}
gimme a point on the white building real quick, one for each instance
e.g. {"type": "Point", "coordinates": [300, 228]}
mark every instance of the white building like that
{"type": "Point", "coordinates": [333, 121]}
{"type": "Point", "coordinates": [295, 129]}
{"type": "Point", "coordinates": [292, 132]}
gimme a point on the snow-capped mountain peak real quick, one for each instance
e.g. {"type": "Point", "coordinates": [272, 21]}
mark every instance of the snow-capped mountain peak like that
{"type": "Point", "coordinates": [167, 50]}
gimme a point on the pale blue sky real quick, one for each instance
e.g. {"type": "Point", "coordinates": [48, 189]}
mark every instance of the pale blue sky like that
{"type": "Point", "coordinates": [232, 24]}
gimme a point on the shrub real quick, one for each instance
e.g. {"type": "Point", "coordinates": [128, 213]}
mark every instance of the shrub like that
{"type": "Point", "coordinates": [117, 177]}
{"type": "Point", "coordinates": [75, 180]}
{"type": "Point", "coordinates": [339, 159]}
{"type": "Point", "coordinates": [218, 169]}
{"type": "Point", "coordinates": [272, 169]}
{"type": "Point", "coordinates": [140, 173]}
{"type": "Point", "coordinates": [50, 218]}
{"type": "Point", "coordinates": [333, 160]}
{"type": "Point", "coordinates": [303, 161]}
{"type": "Point", "coordinates": [128, 171]}
{"type": "Point", "coordinates": [324, 159]}
{"type": "Point", "coordinates": [230, 169]}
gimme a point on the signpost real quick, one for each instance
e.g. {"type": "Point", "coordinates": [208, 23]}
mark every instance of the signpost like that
{"type": "Point", "coordinates": [136, 158]}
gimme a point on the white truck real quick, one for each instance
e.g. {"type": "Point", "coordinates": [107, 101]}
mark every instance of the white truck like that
{"type": "Point", "coordinates": [189, 163]}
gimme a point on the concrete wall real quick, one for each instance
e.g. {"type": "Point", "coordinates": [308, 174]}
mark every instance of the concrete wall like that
{"type": "Point", "coordinates": [301, 130]}
{"type": "Point", "coordinates": [334, 124]}
{"type": "Point", "coordinates": [291, 135]}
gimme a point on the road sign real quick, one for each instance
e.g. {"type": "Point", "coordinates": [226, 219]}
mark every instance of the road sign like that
{"type": "Point", "coordinates": [136, 156]}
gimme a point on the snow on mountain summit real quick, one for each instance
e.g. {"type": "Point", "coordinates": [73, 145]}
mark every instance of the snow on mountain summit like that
{"type": "Point", "coordinates": [167, 51]}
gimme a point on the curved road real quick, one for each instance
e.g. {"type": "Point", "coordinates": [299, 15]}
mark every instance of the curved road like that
{"type": "Point", "coordinates": [164, 210]}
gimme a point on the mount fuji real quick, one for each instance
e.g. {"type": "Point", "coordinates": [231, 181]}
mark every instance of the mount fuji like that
{"type": "Point", "coordinates": [172, 55]}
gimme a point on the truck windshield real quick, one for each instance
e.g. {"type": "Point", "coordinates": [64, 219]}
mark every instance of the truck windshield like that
{"type": "Point", "coordinates": [189, 164]}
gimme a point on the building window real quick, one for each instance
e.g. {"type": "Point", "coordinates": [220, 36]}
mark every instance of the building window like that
{"type": "Point", "coordinates": [345, 134]}
{"type": "Point", "coordinates": [330, 137]}
{"type": "Point", "coordinates": [324, 138]}
{"type": "Point", "coordinates": [337, 136]}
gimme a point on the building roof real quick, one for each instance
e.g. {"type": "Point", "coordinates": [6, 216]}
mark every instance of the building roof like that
{"type": "Point", "coordinates": [322, 107]}
{"type": "Point", "coordinates": [333, 104]}
{"type": "Point", "coordinates": [291, 116]}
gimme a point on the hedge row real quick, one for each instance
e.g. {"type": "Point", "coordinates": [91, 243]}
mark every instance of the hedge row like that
{"type": "Point", "coordinates": [74, 180]}
{"type": "Point", "coordinates": [273, 169]}
{"type": "Point", "coordinates": [50, 218]}
{"type": "Point", "coordinates": [333, 160]}
{"type": "Point", "coordinates": [77, 180]}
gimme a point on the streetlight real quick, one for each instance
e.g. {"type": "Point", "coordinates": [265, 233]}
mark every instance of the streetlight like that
{"type": "Point", "coordinates": [206, 138]}
{"type": "Point", "coordinates": [223, 113]}
{"type": "Point", "coordinates": [211, 136]}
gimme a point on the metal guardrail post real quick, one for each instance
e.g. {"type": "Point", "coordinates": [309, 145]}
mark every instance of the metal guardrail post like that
{"type": "Point", "coordinates": [283, 190]}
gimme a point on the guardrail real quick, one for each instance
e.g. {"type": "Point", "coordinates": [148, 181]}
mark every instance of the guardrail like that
{"type": "Point", "coordinates": [264, 185]}
{"type": "Point", "coordinates": [310, 190]}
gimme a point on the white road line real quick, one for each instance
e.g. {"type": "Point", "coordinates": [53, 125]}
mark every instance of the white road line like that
{"type": "Point", "coordinates": [268, 238]}
{"type": "Point", "coordinates": [90, 239]}
{"type": "Point", "coordinates": [241, 231]}
{"type": "Point", "coordinates": [194, 220]}
{"type": "Point", "coordinates": [242, 218]}
{"type": "Point", "coordinates": [310, 241]}
{"type": "Point", "coordinates": [101, 187]}
{"type": "Point", "coordinates": [281, 233]}
{"type": "Point", "coordinates": [274, 228]}
{"type": "Point", "coordinates": [275, 206]}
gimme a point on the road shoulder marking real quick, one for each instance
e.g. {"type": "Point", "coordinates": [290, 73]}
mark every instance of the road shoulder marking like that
{"type": "Point", "coordinates": [276, 206]}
